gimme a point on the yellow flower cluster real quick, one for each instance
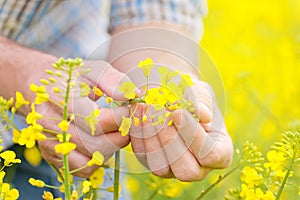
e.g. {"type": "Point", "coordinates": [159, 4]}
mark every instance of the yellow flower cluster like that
{"type": "Point", "coordinates": [267, 183]}
{"type": "Point", "coordinates": [9, 158]}
{"type": "Point", "coordinates": [168, 96]}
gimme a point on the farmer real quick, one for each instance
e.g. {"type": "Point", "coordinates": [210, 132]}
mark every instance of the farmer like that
{"type": "Point", "coordinates": [34, 34]}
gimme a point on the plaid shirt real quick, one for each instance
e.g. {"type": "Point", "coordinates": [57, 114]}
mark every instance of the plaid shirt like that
{"type": "Point", "coordinates": [73, 28]}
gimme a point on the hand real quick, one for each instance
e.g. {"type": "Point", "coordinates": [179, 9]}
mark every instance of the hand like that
{"type": "Point", "coordinates": [188, 150]}
{"type": "Point", "coordinates": [107, 139]}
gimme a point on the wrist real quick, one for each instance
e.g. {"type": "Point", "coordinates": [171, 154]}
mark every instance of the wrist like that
{"type": "Point", "coordinates": [165, 46]}
{"type": "Point", "coordinates": [20, 66]}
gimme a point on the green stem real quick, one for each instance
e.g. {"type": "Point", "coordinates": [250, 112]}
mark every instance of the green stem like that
{"type": "Point", "coordinates": [78, 169]}
{"type": "Point", "coordinates": [116, 175]}
{"type": "Point", "coordinates": [65, 157]}
{"type": "Point", "coordinates": [284, 181]}
{"type": "Point", "coordinates": [56, 171]}
{"type": "Point", "coordinates": [55, 103]}
{"type": "Point", "coordinates": [153, 194]}
{"type": "Point", "coordinates": [51, 186]}
{"type": "Point", "coordinates": [220, 179]}
{"type": "Point", "coordinates": [7, 119]}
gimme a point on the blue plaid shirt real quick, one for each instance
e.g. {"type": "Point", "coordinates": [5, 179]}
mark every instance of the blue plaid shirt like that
{"type": "Point", "coordinates": [72, 28]}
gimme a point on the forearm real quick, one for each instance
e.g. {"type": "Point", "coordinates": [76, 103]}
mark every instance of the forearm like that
{"type": "Point", "coordinates": [166, 44]}
{"type": "Point", "coordinates": [19, 67]}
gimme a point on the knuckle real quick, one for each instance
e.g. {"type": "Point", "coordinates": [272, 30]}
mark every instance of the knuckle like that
{"type": "Point", "coordinates": [163, 172]}
{"type": "Point", "coordinates": [86, 173]}
{"type": "Point", "coordinates": [167, 138]}
{"type": "Point", "coordinates": [218, 158]}
{"type": "Point", "coordinates": [189, 174]}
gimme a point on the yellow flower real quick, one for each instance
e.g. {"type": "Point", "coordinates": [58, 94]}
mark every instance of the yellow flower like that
{"type": "Point", "coordinates": [30, 135]}
{"type": "Point", "coordinates": [144, 119]}
{"type": "Point", "coordinates": [65, 148]}
{"type": "Point", "coordinates": [146, 66]}
{"type": "Point", "coordinates": [160, 121]}
{"type": "Point", "coordinates": [185, 82]}
{"type": "Point", "coordinates": [61, 170]}
{"type": "Point", "coordinates": [63, 125]}
{"type": "Point", "coordinates": [110, 189]}
{"type": "Point", "coordinates": [41, 98]}
{"type": "Point", "coordinates": [172, 92]}
{"type": "Point", "coordinates": [97, 91]}
{"type": "Point", "coordinates": [97, 159]}
{"type": "Point", "coordinates": [92, 120]}
{"type": "Point", "coordinates": [109, 99]}
{"type": "Point", "coordinates": [44, 81]}
{"type": "Point", "coordinates": [5, 104]}
{"type": "Point", "coordinates": [136, 121]}
{"type": "Point", "coordinates": [2, 174]}
{"type": "Point", "coordinates": [7, 193]}
{"type": "Point", "coordinates": [166, 75]}
{"type": "Point", "coordinates": [97, 178]}
{"type": "Point", "coordinates": [52, 80]}
{"type": "Point", "coordinates": [170, 123]}
{"type": "Point", "coordinates": [41, 93]}
{"type": "Point", "coordinates": [275, 159]}
{"type": "Point", "coordinates": [60, 137]}
{"type": "Point", "coordinates": [155, 97]}
{"type": "Point", "coordinates": [36, 89]}
{"type": "Point", "coordinates": [20, 101]}
{"type": "Point", "coordinates": [173, 107]}
{"type": "Point", "coordinates": [247, 193]}
{"type": "Point", "coordinates": [9, 157]}
{"type": "Point", "coordinates": [128, 88]}
{"type": "Point", "coordinates": [251, 177]}
{"type": "Point", "coordinates": [84, 89]}
{"type": "Point", "coordinates": [74, 195]}
{"type": "Point", "coordinates": [125, 126]}
{"type": "Point", "coordinates": [36, 183]}
{"type": "Point", "coordinates": [33, 116]}
{"type": "Point", "coordinates": [47, 195]}
{"type": "Point", "coordinates": [264, 196]}
{"type": "Point", "coordinates": [56, 90]}
{"type": "Point", "coordinates": [33, 156]}
{"type": "Point", "coordinates": [16, 136]}
{"type": "Point", "coordinates": [86, 186]}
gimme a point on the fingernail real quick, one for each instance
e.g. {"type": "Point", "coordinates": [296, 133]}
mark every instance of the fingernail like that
{"type": "Point", "coordinates": [138, 92]}
{"type": "Point", "coordinates": [205, 109]}
{"type": "Point", "coordinates": [180, 123]}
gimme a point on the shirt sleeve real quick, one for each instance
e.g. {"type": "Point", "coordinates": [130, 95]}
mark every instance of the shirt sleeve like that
{"type": "Point", "coordinates": [187, 13]}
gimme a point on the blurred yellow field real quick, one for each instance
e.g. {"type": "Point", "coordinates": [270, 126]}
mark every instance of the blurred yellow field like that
{"type": "Point", "coordinates": [255, 46]}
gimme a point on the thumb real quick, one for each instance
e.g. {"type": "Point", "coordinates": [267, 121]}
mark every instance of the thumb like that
{"type": "Point", "coordinates": [107, 78]}
{"type": "Point", "coordinates": [203, 96]}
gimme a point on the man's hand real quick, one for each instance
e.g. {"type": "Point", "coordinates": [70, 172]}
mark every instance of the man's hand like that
{"type": "Point", "coordinates": [189, 149]}
{"type": "Point", "coordinates": [107, 139]}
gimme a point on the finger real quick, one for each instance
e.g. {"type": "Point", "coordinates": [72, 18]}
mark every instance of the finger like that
{"type": "Point", "coordinates": [107, 78]}
{"type": "Point", "coordinates": [74, 158]}
{"type": "Point", "coordinates": [109, 119]}
{"type": "Point", "coordinates": [137, 138]}
{"type": "Point", "coordinates": [208, 148]}
{"type": "Point", "coordinates": [106, 144]}
{"type": "Point", "coordinates": [203, 98]}
{"type": "Point", "coordinates": [156, 157]}
{"type": "Point", "coordinates": [182, 162]}
{"type": "Point", "coordinates": [86, 143]}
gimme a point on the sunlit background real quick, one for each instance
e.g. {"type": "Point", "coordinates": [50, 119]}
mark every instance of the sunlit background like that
{"type": "Point", "coordinates": [256, 48]}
